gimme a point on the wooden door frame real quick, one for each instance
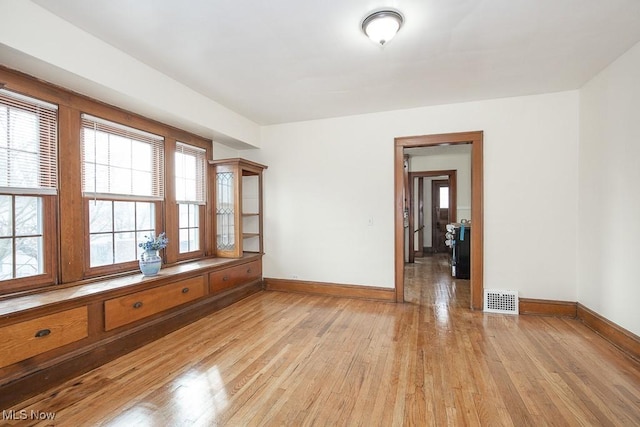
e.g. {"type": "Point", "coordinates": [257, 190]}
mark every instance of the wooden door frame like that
{"type": "Point", "coordinates": [474, 138]}
{"type": "Point", "coordinates": [451, 174]}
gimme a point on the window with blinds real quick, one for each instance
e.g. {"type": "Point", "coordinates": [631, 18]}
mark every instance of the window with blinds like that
{"type": "Point", "coordinates": [190, 163]}
{"type": "Point", "coordinates": [28, 145]}
{"type": "Point", "coordinates": [122, 178]}
{"type": "Point", "coordinates": [190, 174]}
{"type": "Point", "coordinates": [120, 160]}
{"type": "Point", "coordinates": [28, 172]}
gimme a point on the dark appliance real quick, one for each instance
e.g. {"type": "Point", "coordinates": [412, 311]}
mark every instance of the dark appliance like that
{"type": "Point", "coordinates": [459, 239]}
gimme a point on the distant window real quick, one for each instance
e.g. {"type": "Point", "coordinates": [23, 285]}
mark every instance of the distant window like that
{"type": "Point", "coordinates": [190, 163]}
{"type": "Point", "coordinates": [122, 182]}
{"type": "Point", "coordinates": [28, 177]}
{"type": "Point", "coordinates": [444, 197]}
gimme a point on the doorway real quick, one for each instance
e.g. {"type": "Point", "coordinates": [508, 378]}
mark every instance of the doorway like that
{"type": "Point", "coordinates": [402, 197]}
{"type": "Point", "coordinates": [440, 214]}
{"type": "Point", "coordinates": [422, 209]}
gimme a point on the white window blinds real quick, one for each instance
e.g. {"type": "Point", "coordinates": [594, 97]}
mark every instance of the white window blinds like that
{"type": "Point", "coordinates": [190, 174]}
{"type": "Point", "coordinates": [28, 145]}
{"type": "Point", "coordinates": [120, 160]}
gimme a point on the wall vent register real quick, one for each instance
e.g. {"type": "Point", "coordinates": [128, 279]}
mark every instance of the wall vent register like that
{"type": "Point", "coordinates": [498, 301]}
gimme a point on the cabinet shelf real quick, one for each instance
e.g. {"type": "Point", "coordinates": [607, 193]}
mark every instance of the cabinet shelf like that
{"type": "Point", "coordinates": [238, 204]}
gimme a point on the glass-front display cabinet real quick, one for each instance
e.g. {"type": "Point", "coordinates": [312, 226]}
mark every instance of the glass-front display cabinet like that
{"type": "Point", "coordinates": [238, 205]}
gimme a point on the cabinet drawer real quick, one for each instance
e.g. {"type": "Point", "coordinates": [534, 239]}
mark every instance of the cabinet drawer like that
{"type": "Point", "coordinates": [27, 339]}
{"type": "Point", "coordinates": [234, 276]}
{"type": "Point", "coordinates": [130, 308]}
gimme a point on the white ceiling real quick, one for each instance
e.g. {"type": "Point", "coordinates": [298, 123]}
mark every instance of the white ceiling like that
{"type": "Point", "coordinates": [282, 61]}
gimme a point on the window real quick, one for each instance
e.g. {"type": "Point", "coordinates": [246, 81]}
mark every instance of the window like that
{"type": "Point", "coordinates": [190, 165]}
{"type": "Point", "coordinates": [444, 197]}
{"type": "Point", "coordinates": [116, 228]}
{"type": "Point", "coordinates": [123, 184]}
{"type": "Point", "coordinates": [121, 160]}
{"type": "Point", "coordinates": [28, 181]}
{"type": "Point", "coordinates": [21, 236]}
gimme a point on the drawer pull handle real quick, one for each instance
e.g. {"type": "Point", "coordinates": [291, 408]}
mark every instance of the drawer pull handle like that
{"type": "Point", "coordinates": [137, 304]}
{"type": "Point", "coordinates": [43, 333]}
{"type": "Point", "coordinates": [185, 290]}
{"type": "Point", "coordinates": [249, 270]}
{"type": "Point", "coordinates": [225, 278]}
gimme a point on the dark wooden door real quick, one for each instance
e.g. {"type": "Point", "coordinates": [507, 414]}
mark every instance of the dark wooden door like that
{"type": "Point", "coordinates": [440, 197]}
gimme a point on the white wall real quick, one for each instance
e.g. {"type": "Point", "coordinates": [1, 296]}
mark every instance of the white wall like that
{"type": "Point", "coordinates": [329, 203]}
{"type": "Point", "coordinates": [221, 151]}
{"type": "Point", "coordinates": [609, 198]}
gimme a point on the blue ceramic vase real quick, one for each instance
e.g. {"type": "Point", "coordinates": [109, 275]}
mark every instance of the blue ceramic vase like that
{"type": "Point", "coordinates": [150, 263]}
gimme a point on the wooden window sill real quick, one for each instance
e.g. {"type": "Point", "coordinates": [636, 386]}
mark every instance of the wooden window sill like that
{"type": "Point", "coordinates": [86, 291]}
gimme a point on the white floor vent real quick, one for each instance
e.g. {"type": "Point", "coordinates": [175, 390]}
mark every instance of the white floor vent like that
{"type": "Point", "coordinates": [497, 301]}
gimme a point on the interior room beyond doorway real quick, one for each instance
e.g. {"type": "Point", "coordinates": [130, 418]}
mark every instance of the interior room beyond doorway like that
{"type": "Point", "coordinates": [427, 219]}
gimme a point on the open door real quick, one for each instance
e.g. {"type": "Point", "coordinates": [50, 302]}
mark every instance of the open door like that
{"type": "Point", "coordinates": [440, 214]}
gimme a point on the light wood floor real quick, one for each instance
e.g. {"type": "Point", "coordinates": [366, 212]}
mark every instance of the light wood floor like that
{"type": "Point", "coordinates": [278, 359]}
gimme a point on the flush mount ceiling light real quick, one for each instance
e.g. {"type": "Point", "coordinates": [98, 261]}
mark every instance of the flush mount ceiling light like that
{"type": "Point", "coordinates": [382, 26]}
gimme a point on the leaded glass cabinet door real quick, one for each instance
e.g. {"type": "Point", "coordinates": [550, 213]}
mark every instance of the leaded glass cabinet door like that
{"type": "Point", "coordinates": [239, 224]}
{"type": "Point", "coordinates": [227, 241]}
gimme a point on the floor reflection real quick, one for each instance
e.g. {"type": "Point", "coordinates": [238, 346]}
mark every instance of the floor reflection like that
{"type": "Point", "coordinates": [200, 392]}
{"type": "Point", "coordinates": [428, 282]}
{"type": "Point", "coordinates": [142, 415]}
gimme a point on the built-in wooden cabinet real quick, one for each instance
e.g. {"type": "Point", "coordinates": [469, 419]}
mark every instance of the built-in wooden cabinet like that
{"type": "Point", "coordinates": [26, 339]}
{"type": "Point", "coordinates": [69, 320]}
{"type": "Point", "coordinates": [139, 305]}
{"type": "Point", "coordinates": [238, 206]}
{"type": "Point", "coordinates": [56, 334]}
{"type": "Point", "coordinates": [232, 277]}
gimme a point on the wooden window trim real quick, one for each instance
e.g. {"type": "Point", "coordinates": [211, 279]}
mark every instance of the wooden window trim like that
{"type": "Point", "coordinates": [46, 189]}
{"type": "Point", "coordinates": [69, 248]}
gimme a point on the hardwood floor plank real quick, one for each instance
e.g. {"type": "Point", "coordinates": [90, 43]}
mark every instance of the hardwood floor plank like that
{"type": "Point", "coordinates": [279, 359]}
